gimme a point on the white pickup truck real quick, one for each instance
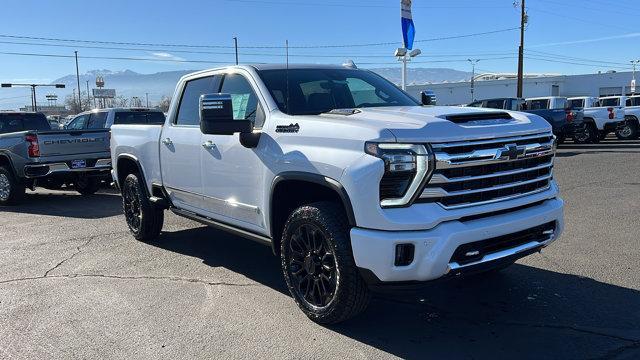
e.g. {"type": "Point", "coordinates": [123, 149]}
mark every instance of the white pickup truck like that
{"type": "Point", "coordinates": [600, 119]}
{"type": "Point", "coordinates": [630, 129]}
{"type": "Point", "coordinates": [351, 181]}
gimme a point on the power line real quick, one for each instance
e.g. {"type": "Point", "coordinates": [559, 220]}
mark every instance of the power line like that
{"type": "Point", "coordinates": [574, 63]}
{"type": "Point", "coordinates": [215, 62]}
{"type": "Point", "coordinates": [324, 55]}
{"type": "Point", "coordinates": [114, 58]}
{"type": "Point", "coordinates": [297, 3]}
{"type": "Point", "coordinates": [542, 53]}
{"type": "Point", "coordinates": [253, 47]}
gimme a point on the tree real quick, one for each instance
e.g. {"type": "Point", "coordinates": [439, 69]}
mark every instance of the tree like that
{"type": "Point", "coordinates": [71, 102]}
{"type": "Point", "coordinates": [164, 103]}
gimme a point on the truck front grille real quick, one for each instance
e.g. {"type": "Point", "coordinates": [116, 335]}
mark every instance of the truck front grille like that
{"type": "Point", "coordinates": [485, 171]}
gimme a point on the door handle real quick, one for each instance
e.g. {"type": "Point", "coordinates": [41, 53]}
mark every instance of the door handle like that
{"type": "Point", "coordinates": [208, 144]}
{"type": "Point", "coordinates": [167, 141]}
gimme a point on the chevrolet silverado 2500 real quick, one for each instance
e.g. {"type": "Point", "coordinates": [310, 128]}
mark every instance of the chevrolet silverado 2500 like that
{"type": "Point", "coordinates": [599, 120]}
{"type": "Point", "coordinates": [351, 181]}
{"type": "Point", "coordinates": [31, 154]}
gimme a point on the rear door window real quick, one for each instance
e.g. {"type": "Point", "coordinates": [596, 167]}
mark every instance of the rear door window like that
{"type": "Point", "coordinates": [542, 104]}
{"type": "Point", "coordinates": [610, 102]}
{"type": "Point", "coordinates": [576, 103]}
{"type": "Point", "coordinates": [138, 118]}
{"type": "Point", "coordinates": [79, 122]}
{"type": "Point", "coordinates": [98, 120]}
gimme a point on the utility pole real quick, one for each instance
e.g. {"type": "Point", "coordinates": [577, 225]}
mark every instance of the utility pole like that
{"type": "Point", "coordinates": [473, 76]}
{"type": "Point", "coordinates": [34, 104]}
{"type": "Point", "coordinates": [235, 40]}
{"type": "Point", "coordinates": [634, 63]}
{"type": "Point", "coordinates": [78, 79]}
{"type": "Point", "coordinates": [88, 97]}
{"type": "Point", "coordinates": [523, 21]}
{"type": "Point", "coordinates": [147, 95]}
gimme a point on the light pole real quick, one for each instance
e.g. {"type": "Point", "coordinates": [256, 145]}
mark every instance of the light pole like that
{"type": "Point", "coordinates": [78, 79]}
{"type": "Point", "coordinates": [634, 63]}
{"type": "Point", "coordinates": [147, 95]}
{"type": "Point", "coordinates": [473, 76]}
{"type": "Point", "coordinates": [404, 57]}
{"type": "Point", "coordinates": [34, 104]}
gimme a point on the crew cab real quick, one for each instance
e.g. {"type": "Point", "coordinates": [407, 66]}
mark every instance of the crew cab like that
{"type": "Point", "coordinates": [352, 182]}
{"type": "Point", "coordinates": [514, 104]}
{"type": "Point", "coordinates": [31, 154]}
{"type": "Point", "coordinates": [629, 130]}
{"type": "Point", "coordinates": [599, 120]}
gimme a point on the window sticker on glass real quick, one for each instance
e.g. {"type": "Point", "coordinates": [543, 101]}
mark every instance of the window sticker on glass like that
{"type": "Point", "coordinates": [240, 102]}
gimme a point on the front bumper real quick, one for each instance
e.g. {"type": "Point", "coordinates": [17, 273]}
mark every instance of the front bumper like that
{"type": "Point", "coordinates": [33, 171]}
{"type": "Point", "coordinates": [374, 250]}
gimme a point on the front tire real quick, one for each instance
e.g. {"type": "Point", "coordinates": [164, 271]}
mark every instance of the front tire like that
{"type": "Point", "coordinates": [318, 264]}
{"type": "Point", "coordinates": [11, 190]}
{"type": "Point", "coordinates": [143, 219]}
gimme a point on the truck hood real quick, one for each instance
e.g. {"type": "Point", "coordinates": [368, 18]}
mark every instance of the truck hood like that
{"type": "Point", "coordinates": [444, 124]}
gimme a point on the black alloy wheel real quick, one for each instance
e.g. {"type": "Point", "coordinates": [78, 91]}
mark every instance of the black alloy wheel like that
{"type": "Point", "coordinates": [312, 266]}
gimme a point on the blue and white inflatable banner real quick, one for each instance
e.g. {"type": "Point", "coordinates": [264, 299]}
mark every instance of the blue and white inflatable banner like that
{"type": "Point", "coordinates": [408, 29]}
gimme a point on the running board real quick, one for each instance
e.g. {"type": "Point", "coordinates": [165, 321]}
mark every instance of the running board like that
{"type": "Point", "coordinates": [224, 227]}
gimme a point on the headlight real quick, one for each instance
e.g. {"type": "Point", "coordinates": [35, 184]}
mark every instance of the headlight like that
{"type": "Point", "coordinates": [407, 168]}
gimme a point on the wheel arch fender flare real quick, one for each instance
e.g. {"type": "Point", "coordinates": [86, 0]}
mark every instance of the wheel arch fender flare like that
{"type": "Point", "coordinates": [317, 179]}
{"type": "Point", "coordinates": [133, 159]}
{"type": "Point", "coordinates": [5, 158]}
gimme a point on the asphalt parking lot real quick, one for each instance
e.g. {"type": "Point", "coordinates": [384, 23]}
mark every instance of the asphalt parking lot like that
{"type": "Point", "coordinates": [74, 284]}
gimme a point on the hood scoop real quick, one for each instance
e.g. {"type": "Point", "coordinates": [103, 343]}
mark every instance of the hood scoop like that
{"type": "Point", "coordinates": [480, 118]}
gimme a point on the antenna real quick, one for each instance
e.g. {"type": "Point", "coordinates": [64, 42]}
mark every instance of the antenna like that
{"type": "Point", "coordinates": [287, 75]}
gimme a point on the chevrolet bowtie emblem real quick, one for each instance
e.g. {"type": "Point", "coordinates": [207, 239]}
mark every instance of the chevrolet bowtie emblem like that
{"type": "Point", "coordinates": [512, 151]}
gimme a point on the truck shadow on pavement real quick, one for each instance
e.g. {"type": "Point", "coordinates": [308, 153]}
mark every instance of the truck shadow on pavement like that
{"type": "Point", "coordinates": [522, 312]}
{"type": "Point", "coordinates": [69, 204]}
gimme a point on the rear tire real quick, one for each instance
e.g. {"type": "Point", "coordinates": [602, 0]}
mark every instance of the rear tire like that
{"type": "Point", "coordinates": [143, 219]}
{"type": "Point", "coordinates": [318, 264]}
{"type": "Point", "coordinates": [11, 189]}
{"type": "Point", "coordinates": [87, 185]}
{"type": "Point", "coordinates": [629, 131]}
{"type": "Point", "coordinates": [588, 135]}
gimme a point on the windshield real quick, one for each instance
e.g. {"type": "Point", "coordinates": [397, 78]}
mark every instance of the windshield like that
{"type": "Point", "coordinates": [316, 91]}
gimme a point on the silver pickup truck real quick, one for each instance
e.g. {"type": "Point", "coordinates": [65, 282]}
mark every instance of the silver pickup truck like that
{"type": "Point", "coordinates": [31, 154]}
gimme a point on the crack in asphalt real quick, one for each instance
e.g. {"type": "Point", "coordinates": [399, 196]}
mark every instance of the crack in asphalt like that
{"type": "Point", "coordinates": [78, 251]}
{"type": "Point", "coordinates": [126, 277]}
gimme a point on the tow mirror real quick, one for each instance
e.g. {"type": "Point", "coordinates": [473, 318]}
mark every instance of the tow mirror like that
{"type": "Point", "coordinates": [216, 116]}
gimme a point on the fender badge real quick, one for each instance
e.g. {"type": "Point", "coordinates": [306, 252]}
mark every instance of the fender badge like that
{"type": "Point", "coordinates": [292, 128]}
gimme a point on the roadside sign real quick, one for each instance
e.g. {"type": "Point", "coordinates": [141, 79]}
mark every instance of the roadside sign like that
{"type": "Point", "coordinates": [104, 93]}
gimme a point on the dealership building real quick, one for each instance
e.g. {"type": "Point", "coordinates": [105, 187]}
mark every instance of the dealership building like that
{"type": "Point", "coordinates": [488, 86]}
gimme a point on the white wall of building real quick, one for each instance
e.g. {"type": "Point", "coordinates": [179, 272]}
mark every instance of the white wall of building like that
{"type": "Point", "coordinates": [565, 85]}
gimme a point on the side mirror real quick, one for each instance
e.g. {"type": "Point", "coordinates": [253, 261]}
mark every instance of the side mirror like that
{"type": "Point", "coordinates": [428, 98]}
{"type": "Point", "coordinates": [216, 116]}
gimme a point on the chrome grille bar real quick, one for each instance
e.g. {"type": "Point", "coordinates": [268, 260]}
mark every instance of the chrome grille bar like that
{"type": "Point", "coordinates": [441, 179]}
{"type": "Point", "coordinates": [471, 173]}
{"type": "Point", "coordinates": [431, 192]}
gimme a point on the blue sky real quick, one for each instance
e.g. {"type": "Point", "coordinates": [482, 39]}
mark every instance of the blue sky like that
{"type": "Point", "coordinates": [563, 36]}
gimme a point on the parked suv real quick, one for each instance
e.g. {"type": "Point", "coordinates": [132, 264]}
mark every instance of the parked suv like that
{"type": "Point", "coordinates": [353, 184]}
